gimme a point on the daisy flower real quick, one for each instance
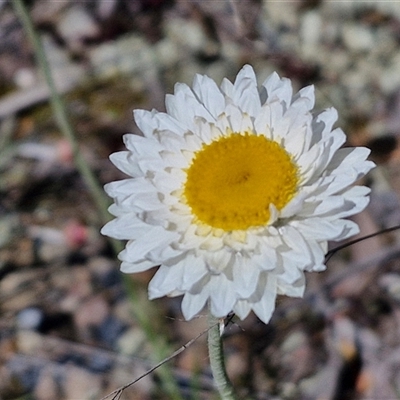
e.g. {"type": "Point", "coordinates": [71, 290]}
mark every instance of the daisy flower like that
{"type": "Point", "coordinates": [234, 193]}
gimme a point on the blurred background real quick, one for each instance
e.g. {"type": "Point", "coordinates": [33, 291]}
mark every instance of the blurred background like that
{"type": "Point", "coordinates": [67, 329]}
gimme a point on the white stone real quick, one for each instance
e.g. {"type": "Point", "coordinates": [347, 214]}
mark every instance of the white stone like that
{"type": "Point", "coordinates": [167, 52]}
{"type": "Point", "coordinates": [131, 342]}
{"type": "Point", "coordinates": [391, 283]}
{"type": "Point", "coordinates": [391, 8]}
{"type": "Point", "coordinates": [127, 55]}
{"type": "Point", "coordinates": [389, 79]}
{"type": "Point", "coordinates": [294, 341]}
{"type": "Point", "coordinates": [187, 33]}
{"type": "Point", "coordinates": [357, 37]}
{"type": "Point", "coordinates": [310, 33]}
{"type": "Point", "coordinates": [336, 62]}
{"type": "Point", "coordinates": [77, 23]}
{"type": "Point", "coordinates": [278, 14]}
{"type": "Point", "coordinates": [25, 78]}
{"type": "Point", "coordinates": [29, 318]}
{"type": "Point", "coordinates": [29, 342]}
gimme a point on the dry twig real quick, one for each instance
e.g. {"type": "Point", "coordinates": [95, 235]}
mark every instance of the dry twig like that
{"type": "Point", "coordinates": [117, 392]}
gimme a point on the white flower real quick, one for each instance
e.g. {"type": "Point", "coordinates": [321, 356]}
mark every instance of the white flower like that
{"type": "Point", "coordinates": [234, 192]}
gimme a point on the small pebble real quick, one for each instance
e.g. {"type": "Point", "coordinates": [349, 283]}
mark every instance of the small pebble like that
{"type": "Point", "coordinates": [98, 362]}
{"type": "Point", "coordinates": [357, 37]}
{"type": "Point", "coordinates": [110, 330]}
{"type": "Point", "coordinates": [30, 318]}
{"type": "Point", "coordinates": [77, 24]}
{"type": "Point", "coordinates": [78, 383]}
{"type": "Point", "coordinates": [46, 387]}
{"type": "Point", "coordinates": [25, 78]}
{"type": "Point", "coordinates": [26, 374]}
{"type": "Point", "coordinates": [391, 283]}
{"type": "Point", "coordinates": [131, 341]}
{"type": "Point", "coordinates": [91, 313]}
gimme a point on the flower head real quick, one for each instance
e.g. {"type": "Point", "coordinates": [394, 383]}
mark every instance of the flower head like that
{"type": "Point", "coordinates": [234, 193]}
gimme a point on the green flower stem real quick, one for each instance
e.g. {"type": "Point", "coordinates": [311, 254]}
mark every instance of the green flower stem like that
{"type": "Point", "coordinates": [159, 345]}
{"type": "Point", "coordinates": [217, 361]}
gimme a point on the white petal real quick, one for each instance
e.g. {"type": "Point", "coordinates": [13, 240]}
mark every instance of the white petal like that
{"type": "Point", "coordinates": [328, 206]}
{"type": "Point", "coordinates": [166, 280]}
{"type": "Point", "coordinates": [125, 227]}
{"type": "Point", "coordinates": [205, 131]}
{"type": "Point", "coordinates": [149, 122]}
{"type": "Point", "coordinates": [195, 269]}
{"type": "Point", "coordinates": [318, 250]}
{"type": "Point", "coordinates": [209, 94]}
{"type": "Point", "coordinates": [266, 305]}
{"type": "Point", "coordinates": [192, 304]}
{"type": "Point", "coordinates": [141, 201]}
{"type": "Point", "coordinates": [350, 202]}
{"type": "Point", "coordinates": [153, 238]}
{"type": "Point", "coordinates": [171, 142]}
{"type": "Point", "coordinates": [265, 124]}
{"type": "Point", "coordinates": [295, 205]}
{"type": "Point", "coordinates": [242, 309]}
{"type": "Point", "coordinates": [357, 199]}
{"type": "Point", "coordinates": [319, 228]}
{"type": "Point", "coordinates": [165, 122]}
{"type": "Point", "coordinates": [223, 125]}
{"type": "Point", "coordinates": [140, 266]}
{"type": "Point", "coordinates": [291, 264]}
{"type": "Point", "coordinates": [227, 88]}
{"type": "Point", "coordinates": [192, 142]}
{"type": "Point", "coordinates": [262, 122]}
{"type": "Point", "coordinates": [349, 228]}
{"type": "Point", "coordinates": [142, 145]}
{"type": "Point", "coordinates": [267, 260]}
{"type": "Point", "coordinates": [245, 276]}
{"type": "Point", "coordinates": [323, 124]}
{"type": "Point", "coordinates": [294, 290]}
{"type": "Point", "coordinates": [305, 95]}
{"type": "Point", "coordinates": [235, 118]}
{"type": "Point", "coordinates": [278, 88]}
{"type": "Point", "coordinates": [160, 254]}
{"type": "Point", "coordinates": [245, 93]}
{"type": "Point", "coordinates": [127, 162]}
{"type": "Point", "coordinates": [295, 241]}
{"type": "Point", "coordinates": [308, 162]}
{"type": "Point", "coordinates": [222, 296]}
{"type": "Point", "coordinates": [166, 183]}
{"type": "Point", "coordinates": [340, 182]}
{"type": "Point", "coordinates": [115, 210]}
{"type": "Point", "coordinates": [185, 107]}
{"type": "Point", "coordinates": [351, 158]}
{"type": "Point", "coordinates": [145, 122]}
{"type": "Point", "coordinates": [294, 141]}
{"type": "Point", "coordinates": [174, 159]}
{"type": "Point", "coordinates": [184, 273]}
{"type": "Point", "coordinates": [276, 114]}
{"type": "Point", "coordinates": [126, 187]}
{"type": "Point", "coordinates": [212, 243]}
{"type": "Point", "coordinates": [217, 261]}
{"type": "Point", "coordinates": [329, 150]}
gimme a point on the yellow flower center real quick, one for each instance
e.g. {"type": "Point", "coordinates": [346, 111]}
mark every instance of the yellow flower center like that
{"type": "Point", "coordinates": [233, 180]}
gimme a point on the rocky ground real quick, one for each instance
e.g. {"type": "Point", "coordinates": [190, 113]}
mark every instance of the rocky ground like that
{"type": "Point", "coordinates": [67, 329]}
